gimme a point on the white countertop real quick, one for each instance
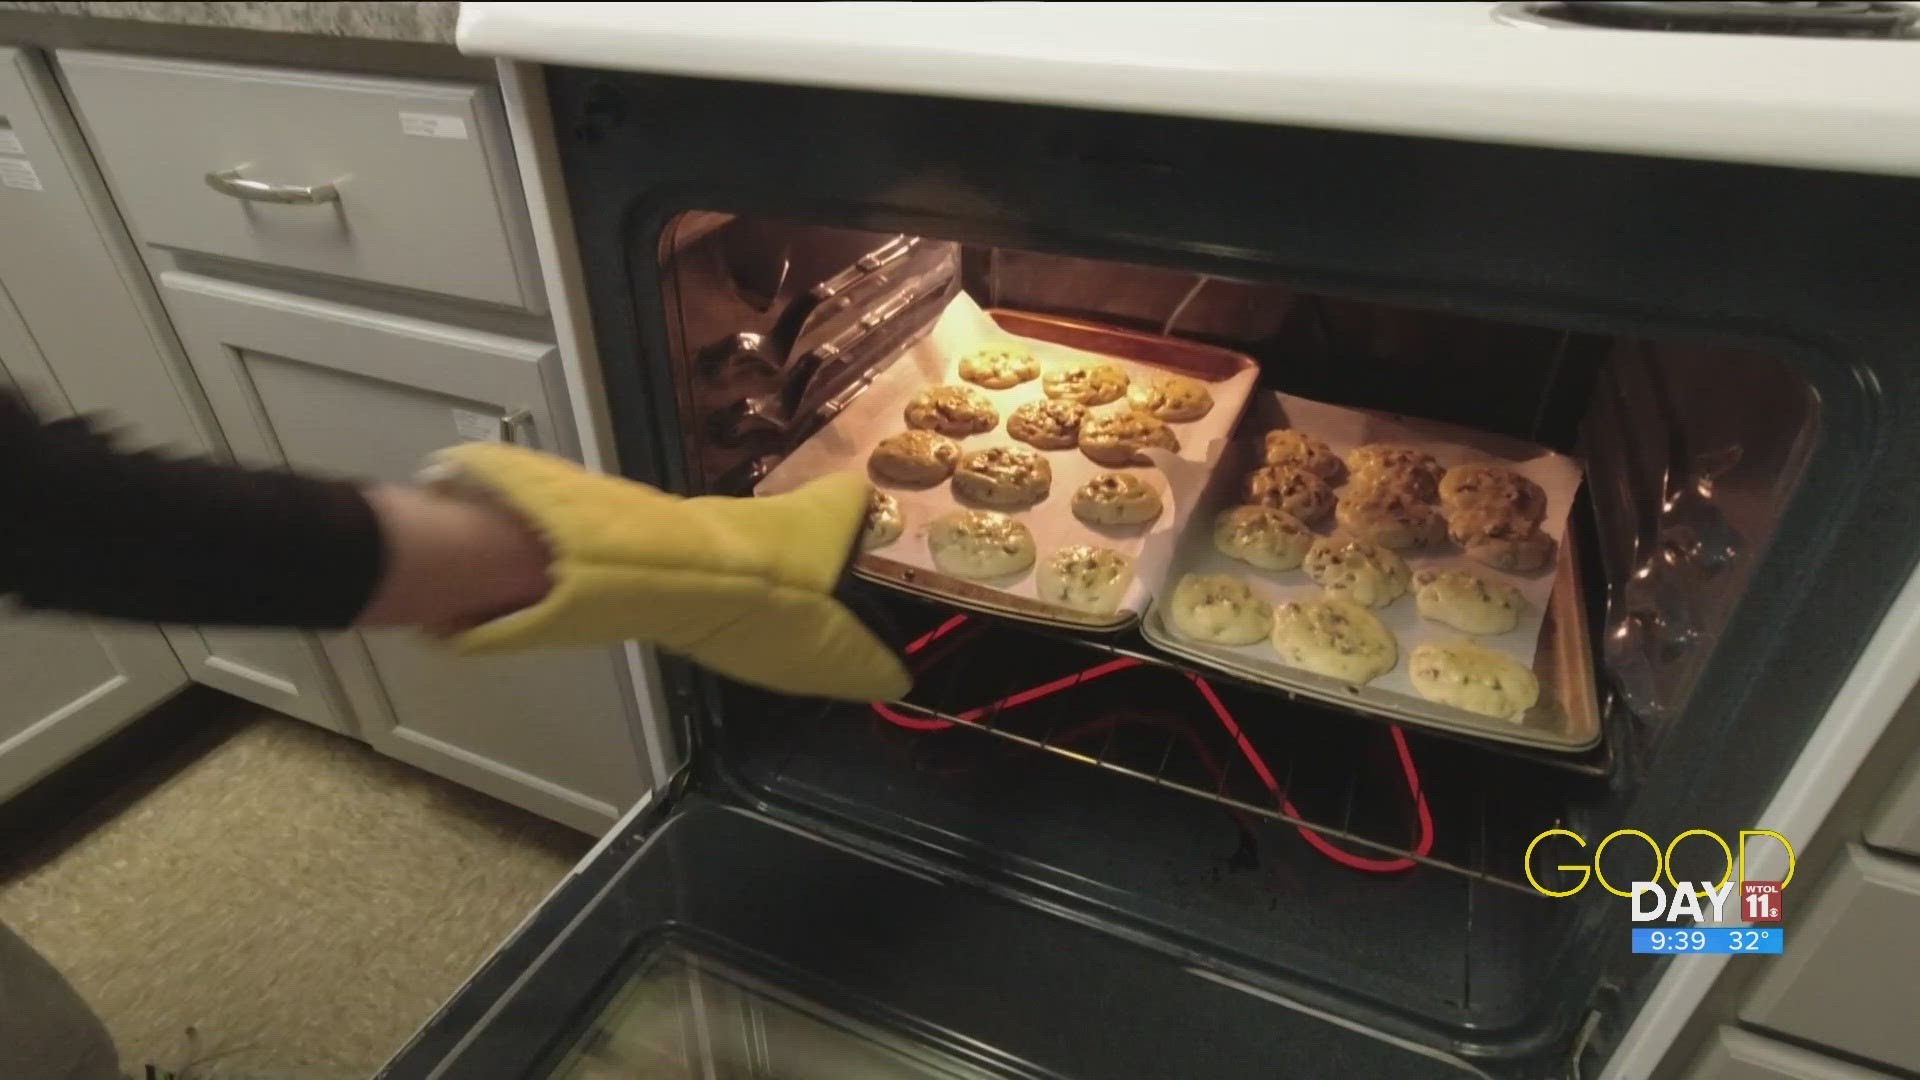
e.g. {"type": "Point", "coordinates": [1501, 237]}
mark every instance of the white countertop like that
{"type": "Point", "coordinates": [1456, 70]}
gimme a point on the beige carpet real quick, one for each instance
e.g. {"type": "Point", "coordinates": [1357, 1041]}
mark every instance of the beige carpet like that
{"type": "Point", "coordinates": [266, 899]}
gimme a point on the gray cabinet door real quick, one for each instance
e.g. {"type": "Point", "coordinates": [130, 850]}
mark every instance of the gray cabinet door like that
{"type": "Point", "coordinates": [65, 684]}
{"type": "Point", "coordinates": [73, 273]}
{"type": "Point", "coordinates": [348, 391]}
{"type": "Point", "coordinates": [284, 670]}
{"type": "Point", "coordinates": [71, 683]}
{"type": "Point", "coordinates": [1846, 978]}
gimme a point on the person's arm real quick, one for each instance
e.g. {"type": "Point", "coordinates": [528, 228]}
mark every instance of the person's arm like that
{"type": "Point", "coordinates": [89, 529]}
{"type": "Point", "coordinates": [506, 550]}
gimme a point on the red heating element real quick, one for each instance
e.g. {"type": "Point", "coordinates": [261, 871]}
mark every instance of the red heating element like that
{"type": "Point", "coordinates": [1423, 841]}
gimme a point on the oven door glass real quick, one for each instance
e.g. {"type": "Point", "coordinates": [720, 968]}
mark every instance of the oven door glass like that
{"type": "Point", "coordinates": [708, 940]}
{"type": "Point", "coordinates": [681, 1014]}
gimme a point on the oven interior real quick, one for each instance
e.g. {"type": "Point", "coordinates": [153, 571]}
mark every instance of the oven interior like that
{"type": "Point", "coordinates": [1352, 859]}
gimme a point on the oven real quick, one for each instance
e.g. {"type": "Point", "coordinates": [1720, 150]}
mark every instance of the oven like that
{"type": "Point", "coordinates": [1075, 852]}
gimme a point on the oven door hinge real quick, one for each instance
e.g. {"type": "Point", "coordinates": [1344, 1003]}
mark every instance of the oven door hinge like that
{"type": "Point", "coordinates": [1596, 1035]}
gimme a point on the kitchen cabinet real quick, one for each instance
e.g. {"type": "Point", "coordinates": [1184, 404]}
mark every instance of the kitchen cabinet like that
{"type": "Point", "coordinates": [95, 339]}
{"type": "Point", "coordinates": [1739, 1055]}
{"type": "Point", "coordinates": [335, 388]}
{"type": "Point", "coordinates": [263, 196]}
{"type": "Point", "coordinates": [72, 273]}
{"type": "Point", "coordinates": [65, 684]}
{"type": "Point", "coordinates": [1896, 827]}
{"type": "Point", "coordinates": [70, 683]}
{"type": "Point", "coordinates": [1845, 980]}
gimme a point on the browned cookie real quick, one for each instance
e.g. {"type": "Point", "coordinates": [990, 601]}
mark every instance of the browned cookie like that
{"type": "Point", "coordinates": [1301, 450]}
{"type": "Point", "coordinates": [1293, 489]}
{"type": "Point", "coordinates": [953, 411]}
{"type": "Point", "coordinates": [1494, 488]}
{"type": "Point", "coordinates": [1087, 383]}
{"type": "Point", "coordinates": [1049, 425]}
{"type": "Point", "coordinates": [1173, 398]}
{"type": "Point", "coordinates": [916, 458]}
{"type": "Point", "coordinates": [1398, 466]}
{"type": "Point", "coordinates": [1002, 476]}
{"type": "Point", "coordinates": [999, 368]}
{"type": "Point", "coordinates": [1391, 517]}
{"type": "Point", "coordinates": [1115, 439]}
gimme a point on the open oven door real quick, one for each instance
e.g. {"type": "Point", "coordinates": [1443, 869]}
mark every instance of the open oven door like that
{"type": "Point", "coordinates": [710, 939]}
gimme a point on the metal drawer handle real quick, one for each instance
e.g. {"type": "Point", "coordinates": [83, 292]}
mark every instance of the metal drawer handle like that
{"type": "Point", "coordinates": [516, 427]}
{"type": "Point", "coordinates": [230, 182]}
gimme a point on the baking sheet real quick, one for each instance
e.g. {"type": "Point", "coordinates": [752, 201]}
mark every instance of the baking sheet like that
{"type": "Point", "coordinates": [1550, 593]}
{"type": "Point", "coordinates": [846, 441]}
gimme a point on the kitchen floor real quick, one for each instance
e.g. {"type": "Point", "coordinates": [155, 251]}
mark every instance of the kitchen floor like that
{"type": "Point", "coordinates": [245, 896]}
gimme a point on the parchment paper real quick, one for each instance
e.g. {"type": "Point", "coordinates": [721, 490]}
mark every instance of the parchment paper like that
{"type": "Point", "coordinates": [1343, 429]}
{"type": "Point", "coordinates": [847, 440]}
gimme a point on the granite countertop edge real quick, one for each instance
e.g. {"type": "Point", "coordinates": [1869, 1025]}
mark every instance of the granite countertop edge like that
{"type": "Point", "coordinates": [427, 23]}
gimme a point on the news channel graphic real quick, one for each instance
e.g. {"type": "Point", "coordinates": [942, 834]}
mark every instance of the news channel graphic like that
{"type": "Point", "coordinates": [1676, 906]}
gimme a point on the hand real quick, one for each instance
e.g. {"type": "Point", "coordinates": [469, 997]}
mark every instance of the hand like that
{"type": "Point", "coordinates": [452, 563]}
{"type": "Point", "coordinates": [743, 586]}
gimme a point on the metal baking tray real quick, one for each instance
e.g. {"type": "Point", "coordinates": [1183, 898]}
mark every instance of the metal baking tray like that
{"type": "Point", "coordinates": [849, 438]}
{"type": "Point", "coordinates": [1566, 719]}
{"type": "Point", "coordinates": [1212, 365]}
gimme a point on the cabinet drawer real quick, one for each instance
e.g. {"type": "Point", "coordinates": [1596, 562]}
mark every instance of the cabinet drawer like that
{"type": "Point", "coordinates": [423, 191]}
{"type": "Point", "coordinates": [1738, 1055]}
{"type": "Point", "coordinates": [1845, 980]}
{"type": "Point", "coordinates": [282, 368]}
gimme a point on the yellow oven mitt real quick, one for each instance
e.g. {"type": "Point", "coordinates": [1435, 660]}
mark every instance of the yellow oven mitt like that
{"type": "Point", "coordinates": [743, 586]}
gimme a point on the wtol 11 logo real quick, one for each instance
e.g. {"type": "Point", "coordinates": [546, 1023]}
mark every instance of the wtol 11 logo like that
{"type": "Point", "coordinates": [1678, 910]}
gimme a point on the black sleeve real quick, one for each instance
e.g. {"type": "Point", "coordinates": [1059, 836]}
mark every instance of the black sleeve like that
{"type": "Point", "coordinates": [89, 529]}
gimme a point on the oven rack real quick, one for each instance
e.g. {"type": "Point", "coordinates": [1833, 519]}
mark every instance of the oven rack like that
{"type": "Point", "coordinates": [1595, 762]}
{"type": "Point", "coordinates": [1318, 772]}
{"type": "Point", "coordinates": [1599, 762]}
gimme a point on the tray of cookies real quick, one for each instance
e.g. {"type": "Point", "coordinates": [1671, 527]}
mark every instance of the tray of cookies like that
{"type": "Point", "coordinates": [1031, 466]}
{"type": "Point", "coordinates": [1402, 566]}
